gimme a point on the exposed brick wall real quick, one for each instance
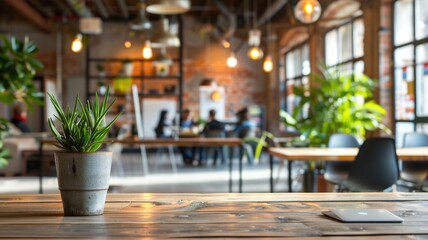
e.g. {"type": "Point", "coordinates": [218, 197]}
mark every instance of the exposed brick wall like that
{"type": "Point", "coordinates": [385, 62]}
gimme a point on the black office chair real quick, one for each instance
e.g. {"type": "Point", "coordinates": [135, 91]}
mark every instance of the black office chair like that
{"type": "Point", "coordinates": [414, 171]}
{"type": "Point", "coordinates": [375, 167]}
{"type": "Point", "coordinates": [337, 172]}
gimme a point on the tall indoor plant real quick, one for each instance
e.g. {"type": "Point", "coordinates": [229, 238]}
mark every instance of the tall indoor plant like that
{"type": "Point", "coordinates": [83, 174]}
{"type": "Point", "coordinates": [18, 65]}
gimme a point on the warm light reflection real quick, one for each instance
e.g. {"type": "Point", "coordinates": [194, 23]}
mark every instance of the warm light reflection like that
{"type": "Point", "coordinates": [268, 64]}
{"type": "Point", "coordinates": [127, 44]}
{"type": "Point", "coordinates": [232, 61]}
{"type": "Point", "coordinates": [255, 53]}
{"type": "Point", "coordinates": [225, 43]}
{"type": "Point", "coordinates": [77, 45]}
{"type": "Point", "coordinates": [147, 50]}
{"type": "Point", "coordinates": [307, 11]}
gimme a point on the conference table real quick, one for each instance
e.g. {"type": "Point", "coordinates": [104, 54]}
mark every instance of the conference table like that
{"type": "Point", "coordinates": [214, 216]}
{"type": "Point", "coordinates": [332, 154]}
{"type": "Point", "coordinates": [166, 142]}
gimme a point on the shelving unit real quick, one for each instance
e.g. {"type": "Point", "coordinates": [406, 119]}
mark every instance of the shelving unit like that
{"type": "Point", "coordinates": [149, 84]}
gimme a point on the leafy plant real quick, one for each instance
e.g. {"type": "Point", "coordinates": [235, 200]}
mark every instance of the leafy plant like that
{"type": "Point", "coordinates": [335, 103]}
{"type": "Point", "coordinates": [84, 127]}
{"type": "Point", "coordinates": [18, 65]}
{"type": "Point", "coordinates": [100, 67]}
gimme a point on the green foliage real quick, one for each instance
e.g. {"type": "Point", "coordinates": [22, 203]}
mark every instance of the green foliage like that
{"type": "Point", "coordinates": [18, 65]}
{"type": "Point", "coordinates": [335, 103]}
{"type": "Point", "coordinates": [84, 127]}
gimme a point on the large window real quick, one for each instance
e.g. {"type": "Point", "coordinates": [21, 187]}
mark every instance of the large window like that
{"type": "Point", "coordinates": [410, 67]}
{"type": "Point", "coordinates": [344, 47]}
{"type": "Point", "coordinates": [297, 69]}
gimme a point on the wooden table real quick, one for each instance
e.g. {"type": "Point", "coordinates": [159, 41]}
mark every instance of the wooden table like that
{"type": "Point", "coordinates": [162, 142]}
{"type": "Point", "coordinates": [333, 154]}
{"type": "Point", "coordinates": [219, 216]}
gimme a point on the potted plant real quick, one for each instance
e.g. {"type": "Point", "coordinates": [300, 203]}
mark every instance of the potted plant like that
{"type": "Point", "coordinates": [83, 173]}
{"type": "Point", "coordinates": [18, 66]}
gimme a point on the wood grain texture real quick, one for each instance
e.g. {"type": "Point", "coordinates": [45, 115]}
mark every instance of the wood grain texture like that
{"type": "Point", "coordinates": [342, 154]}
{"type": "Point", "coordinates": [222, 216]}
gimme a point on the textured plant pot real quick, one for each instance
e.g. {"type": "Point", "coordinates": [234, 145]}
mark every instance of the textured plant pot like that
{"type": "Point", "coordinates": [83, 179]}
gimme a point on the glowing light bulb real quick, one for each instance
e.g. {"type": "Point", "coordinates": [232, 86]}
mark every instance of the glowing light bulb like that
{"type": "Point", "coordinates": [225, 43]}
{"type": "Point", "coordinates": [255, 53]}
{"type": "Point", "coordinates": [127, 44]}
{"type": "Point", "coordinates": [268, 64]}
{"type": "Point", "coordinates": [147, 50]}
{"type": "Point", "coordinates": [232, 61]}
{"type": "Point", "coordinates": [307, 11]}
{"type": "Point", "coordinates": [77, 45]}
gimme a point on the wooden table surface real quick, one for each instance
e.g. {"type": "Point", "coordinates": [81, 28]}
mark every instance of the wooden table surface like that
{"type": "Point", "coordinates": [221, 216]}
{"type": "Point", "coordinates": [333, 154]}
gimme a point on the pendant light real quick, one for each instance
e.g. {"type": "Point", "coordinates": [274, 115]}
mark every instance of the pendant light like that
{"type": "Point", "coordinates": [147, 50]}
{"type": "Point", "coordinates": [168, 7]}
{"type": "Point", "coordinates": [77, 45]}
{"type": "Point", "coordinates": [232, 61]}
{"type": "Point", "coordinates": [268, 63]}
{"type": "Point", "coordinates": [254, 35]}
{"type": "Point", "coordinates": [307, 11]}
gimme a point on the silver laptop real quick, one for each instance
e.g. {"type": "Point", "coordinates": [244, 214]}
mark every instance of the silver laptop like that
{"type": "Point", "coordinates": [363, 215]}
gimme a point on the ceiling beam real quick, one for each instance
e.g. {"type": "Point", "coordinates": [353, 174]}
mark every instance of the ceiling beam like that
{"type": "Point", "coordinates": [101, 8]}
{"type": "Point", "coordinates": [81, 9]}
{"type": "Point", "coordinates": [30, 14]}
{"type": "Point", "coordinates": [271, 11]}
{"type": "Point", "coordinates": [123, 8]}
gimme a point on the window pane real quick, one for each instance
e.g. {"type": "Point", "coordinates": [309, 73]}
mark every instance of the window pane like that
{"type": "Point", "coordinates": [400, 129]}
{"type": "Point", "coordinates": [422, 80]}
{"type": "Point", "coordinates": [404, 104]}
{"type": "Point", "coordinates": [345, 42]}
{"type": "Point", "coordinates": [290, 65]}
{"type": "Point", "coordinates": [290, 96]}
{"type": "Point", "coordinates": [422, 127]}
{"type": "Point", "coordinates": [403, 56]}
{"type": "Point", "coordinates": [403, 24]}
{"type": "Point", "coordinates": [306, 65]}
{"type": "Point", "coordinates": [331, 48]}
{"type": "Point", "coordinates": [421, 19]}
{"type": "Point", "coordinates": [359, 67]}
{"type": "Point", "coordinates": [298, 62]}
{"type": "Point", "coordinates": [358, 38]}
{"type": "Point", "coordinates": [345, 68]}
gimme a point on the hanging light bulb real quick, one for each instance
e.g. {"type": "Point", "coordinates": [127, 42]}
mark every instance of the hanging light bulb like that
{"type": "Point", "coordinates": [307, 11]}
{"type": "Point", "coordinates": [268, 64]}
{"type": "Point", "coordinates": [76, 45]}
{"type": "Point", "coordinates": [255, 53]}
{"type": "Point", "coordinates": [225, 43]}
{"type": "Point", "coordinates": [127, 44]}
{"type": "Point", "coordinates": [232, 61]}
{"type": "Point", "coordinates": [147, 50]}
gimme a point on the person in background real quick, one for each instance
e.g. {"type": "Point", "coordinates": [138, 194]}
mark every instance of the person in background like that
{"type": "Point", "coordinates": [244, 127]}
{"type": "Point", "coordinates": [160, 127]}
{"type": "Point", "coordinates": [213, 128]}
{"type": "Point", "coordinates": [186, 122]}
{"type": "Point", "coordinates": [19, 118]}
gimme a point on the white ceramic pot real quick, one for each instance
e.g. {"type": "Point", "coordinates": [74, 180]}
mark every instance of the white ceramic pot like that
{"type": "Point", "coordinates": [83, 179]}
{"type": "Point", "coordinates": [128, 68]}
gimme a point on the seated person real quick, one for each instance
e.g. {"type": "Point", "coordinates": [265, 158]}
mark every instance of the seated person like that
{"type": "Point", "coordinates": [244, 127]}
{"type": "Point", "coordinates": [186, 122]}
{"type": "Point", "coordinates": [19, 118]}
{"type": "Point", "coordinates": [213, 128]}
{"type": "Point", "coordinates": [160, 127]}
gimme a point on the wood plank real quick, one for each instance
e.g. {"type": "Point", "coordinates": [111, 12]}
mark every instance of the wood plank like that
{"type": "Point", "coordinates": [30, 14]}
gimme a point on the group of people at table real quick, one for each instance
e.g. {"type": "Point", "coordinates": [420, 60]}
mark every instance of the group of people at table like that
{"type": "Point", "coordinates": [212, 128]}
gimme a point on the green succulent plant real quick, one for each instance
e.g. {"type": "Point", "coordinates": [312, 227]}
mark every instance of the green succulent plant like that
{"type": "Point", "coordinates": [83, 128]}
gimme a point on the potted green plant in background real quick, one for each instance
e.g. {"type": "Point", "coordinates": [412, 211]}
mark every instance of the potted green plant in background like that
{"type": "Point", "coordinates": [18, 66]}
{"type": "Point", "coordinates": [83, 174]}
{"type": "Point", "coordinates": [333, 103]}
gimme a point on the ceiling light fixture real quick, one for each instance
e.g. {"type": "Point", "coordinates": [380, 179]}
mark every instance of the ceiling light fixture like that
{"type": "Point", "coordinates": [169, 7]}
{"type": "Point", "coordinates": [77, 45]}
{"type": "Point", "coordinates": [268, 63]}
{"type": "Point", "coordinates": [232, 61]}
{"type": "Point", "coordinates": [307, 11]}
{"type": "Point", "coordinates": [254, 35]}
{"type": "Point", "coordinates": [142, 22]}
{"type": "Point", "coordinates": [147, 50]}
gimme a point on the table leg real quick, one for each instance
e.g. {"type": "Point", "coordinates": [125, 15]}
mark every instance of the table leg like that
{"type": "Point", "coordinates": [271, 172]}
{"type": "Point", "coordinates": [40, 168]}
{"type": "Point", "coordinates": [241, 155]}
{"type": "Point", "coordinates": [290, 180]}
{"type": "Point", "coordinates": [230, 168]}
